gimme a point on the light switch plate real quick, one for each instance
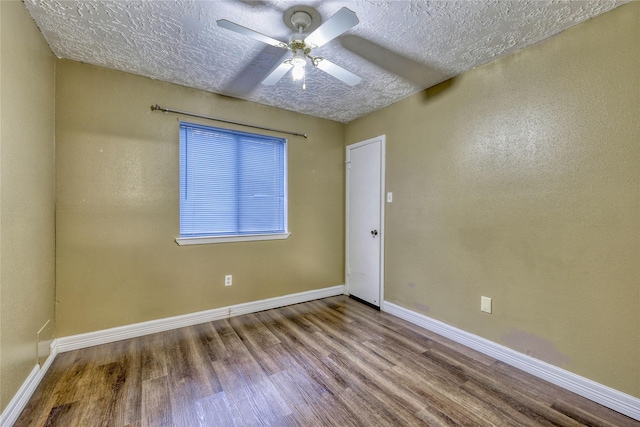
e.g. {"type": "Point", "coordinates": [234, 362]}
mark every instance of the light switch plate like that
{"type": "Point", "coordinates": [485, 304]}
{"type": "Point", "coordinates": [389, 197]}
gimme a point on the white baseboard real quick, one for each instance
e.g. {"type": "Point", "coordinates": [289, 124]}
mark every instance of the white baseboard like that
{"type": "Point", "coordinates": [75, 342]}
{"type": "Point", "coordinates": [21, 398]}
{"type": "Point", "coordinates": [606, 396]}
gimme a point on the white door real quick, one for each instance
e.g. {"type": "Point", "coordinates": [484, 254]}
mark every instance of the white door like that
{"type": "Point", "coordinates": [365, 210]}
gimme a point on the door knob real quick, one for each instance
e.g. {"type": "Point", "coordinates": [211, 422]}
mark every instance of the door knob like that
{"type": "Point", "coordinates": [374, 233]}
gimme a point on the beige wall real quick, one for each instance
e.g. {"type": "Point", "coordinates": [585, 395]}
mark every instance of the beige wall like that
{"type": "Point", "coordinates": [27, 246]}
{"type": "Point", "coordinates": [118, 205]}
{"type": "Point", "coordinates": [520, 181]}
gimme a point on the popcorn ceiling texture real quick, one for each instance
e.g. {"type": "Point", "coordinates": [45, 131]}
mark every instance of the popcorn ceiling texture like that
{"type": "Point", "coordinates": [399, 47]}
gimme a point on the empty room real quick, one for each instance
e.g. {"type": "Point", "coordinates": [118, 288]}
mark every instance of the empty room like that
{"type": "Point", "coordinates": [367, 213]}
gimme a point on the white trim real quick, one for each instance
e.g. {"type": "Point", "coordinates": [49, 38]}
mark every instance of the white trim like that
{"type": "Point", "coordinates": [604, 395]}
{"type": "Point", "coordinates": [383, 207]}
{"type": "Point", "coordinates": [75, 342]}
{"type": "Point", "coordinates": [21, 398]}
{"type": "Point", "coordinates": [183, 241]}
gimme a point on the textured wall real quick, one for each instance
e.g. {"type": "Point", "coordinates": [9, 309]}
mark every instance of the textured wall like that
{"type": "Point", "coordinates": [26, 194]}
{"type": "Point", "coordinates": [118, 205]}
{"type": "Point", "coordinates": [520, 181]}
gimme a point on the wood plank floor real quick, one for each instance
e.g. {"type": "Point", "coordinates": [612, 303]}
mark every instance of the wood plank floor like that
{"type": "Point", "coordinates": [331, 362]}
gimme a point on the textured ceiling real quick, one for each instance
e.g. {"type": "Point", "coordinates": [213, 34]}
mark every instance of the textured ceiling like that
{"type": "Point", "coordinates": [398, 48]}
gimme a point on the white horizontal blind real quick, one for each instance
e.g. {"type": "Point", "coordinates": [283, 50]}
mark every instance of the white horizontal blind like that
{"type": "Point", "coordinates": [231, 183]}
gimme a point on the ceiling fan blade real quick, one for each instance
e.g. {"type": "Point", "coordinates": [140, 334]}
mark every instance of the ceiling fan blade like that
{"type": "Point", "coordinates": [250, 33]}
{"type": "Point", "coordinates": [277, 74]}
{"type": "Point", "coordinates": [260, 66]}
{"type": "Point", "coordinates": [340, 22]}
{"type": "Point", "coordinates": [339, 73]}
{"type": "Point", "coordinates": [412, 71]}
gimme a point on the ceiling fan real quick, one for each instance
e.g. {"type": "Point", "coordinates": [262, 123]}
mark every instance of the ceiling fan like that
{"type": "Point", "coordinates": [301, 44]}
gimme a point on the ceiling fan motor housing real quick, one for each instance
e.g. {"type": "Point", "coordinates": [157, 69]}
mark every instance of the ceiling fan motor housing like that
{"type": "Point", "coordinates": [299, 47]}
{"type": "Point", "coordinates": [301, 20]}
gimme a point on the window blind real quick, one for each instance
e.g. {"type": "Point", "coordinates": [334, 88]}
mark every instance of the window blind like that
{"type": "Point", "coordinates": [231, 183]}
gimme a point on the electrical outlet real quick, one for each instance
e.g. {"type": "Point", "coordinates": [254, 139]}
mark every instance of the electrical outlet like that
{"type": "Point", "coordinates": [485, 304]}
{"type": "Point", "coordinates": [228, 280]}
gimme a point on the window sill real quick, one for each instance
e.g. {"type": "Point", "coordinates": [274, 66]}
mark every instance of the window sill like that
{"type": "Point", "coordinates": [183, 241]}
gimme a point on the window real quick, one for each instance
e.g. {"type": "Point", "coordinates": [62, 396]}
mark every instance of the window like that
{"type": "Point", "coordinates": [233, 186]}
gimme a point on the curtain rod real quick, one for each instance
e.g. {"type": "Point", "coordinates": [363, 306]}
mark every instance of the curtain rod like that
{"type": "Point", "coordinates": [169, 110]}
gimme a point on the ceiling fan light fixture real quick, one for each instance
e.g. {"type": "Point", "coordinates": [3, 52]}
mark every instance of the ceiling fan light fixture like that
{"type": "Point", "coordinates": [299, 62]}
{"type": "Point", "coordinates": [298, 72]}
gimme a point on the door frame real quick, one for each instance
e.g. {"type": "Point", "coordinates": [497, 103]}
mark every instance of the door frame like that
{"type": "Point", "coordinates": [382, 139]}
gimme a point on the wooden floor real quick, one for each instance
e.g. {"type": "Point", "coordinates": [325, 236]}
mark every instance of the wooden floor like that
{"type": "Point", "coordinates": [331, 362]}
